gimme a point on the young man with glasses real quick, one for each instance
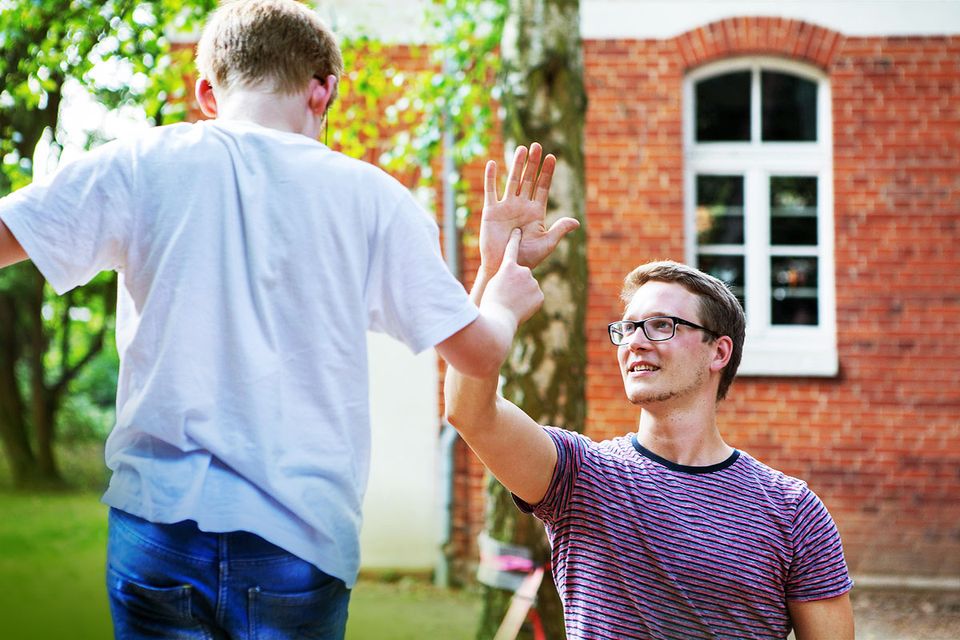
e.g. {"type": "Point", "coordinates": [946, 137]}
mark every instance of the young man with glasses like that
{"type": "Point", "coordinates": [252, 260]}
{"type": "Point", "coordinates": [668, 532]}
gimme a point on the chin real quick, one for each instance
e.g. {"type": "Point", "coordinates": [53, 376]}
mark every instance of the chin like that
{"type": "Point", "coordinates": [649, 396]}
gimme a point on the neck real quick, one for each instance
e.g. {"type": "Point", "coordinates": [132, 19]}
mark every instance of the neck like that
{"type": "Point", "coordinates": [687, 436]}
{"type": "Point", "coordinates": [268, 109]}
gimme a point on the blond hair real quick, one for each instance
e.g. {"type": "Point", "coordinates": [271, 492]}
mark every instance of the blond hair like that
{"type": "Point", "coordinates": [720, 311]}
{"type": "Point", "coordinates": [277, 43]}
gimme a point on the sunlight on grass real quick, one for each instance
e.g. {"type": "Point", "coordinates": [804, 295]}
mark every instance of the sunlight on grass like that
{"type": "Point", "coordinates": [52, 555]}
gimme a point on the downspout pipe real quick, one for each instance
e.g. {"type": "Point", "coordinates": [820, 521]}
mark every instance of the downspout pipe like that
{"type": "Point", "coordinates": [448, 435]}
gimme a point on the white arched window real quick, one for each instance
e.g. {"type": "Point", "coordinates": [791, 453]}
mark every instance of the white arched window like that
{"type": "Point", "coordinates": [759, 205]}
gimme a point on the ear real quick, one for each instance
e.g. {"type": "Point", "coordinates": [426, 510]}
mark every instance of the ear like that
{"type": "Point", "coordinates": [723, 349]}
{"type": "Point", "coordinates": [206, 98]}
{"type": "Point", "coordinates": [321, 94]}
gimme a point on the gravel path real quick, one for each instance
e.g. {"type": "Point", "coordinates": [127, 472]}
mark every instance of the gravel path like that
{"type": "Point", "coordinates": [890, 614]}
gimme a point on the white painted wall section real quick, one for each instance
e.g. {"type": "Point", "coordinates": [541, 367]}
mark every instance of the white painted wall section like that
{"type": "Point", "coordinates": [402, 20]}
{"type": "Point", "coordinates": [401, 518]}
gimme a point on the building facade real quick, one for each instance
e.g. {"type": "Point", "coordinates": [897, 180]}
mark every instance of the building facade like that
{"type": "Point", "coordinates": [809, 154]}
{"type": "Point", "coordinates": [819, 173]}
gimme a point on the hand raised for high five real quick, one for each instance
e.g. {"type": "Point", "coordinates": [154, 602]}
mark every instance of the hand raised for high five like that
{"type": "Point", "coordinates": [523, 206]}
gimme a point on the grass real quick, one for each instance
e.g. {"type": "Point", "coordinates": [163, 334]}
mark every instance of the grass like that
{"type": "Point", "coordinates": [52, 556]}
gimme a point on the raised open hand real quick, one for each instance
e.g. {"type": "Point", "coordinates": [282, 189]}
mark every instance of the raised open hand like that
{"type": "Point", "coordinates": [523, 206]}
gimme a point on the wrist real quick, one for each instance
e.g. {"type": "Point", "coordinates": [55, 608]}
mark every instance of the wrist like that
{"type": "Point", "coordinates": [480, 285]}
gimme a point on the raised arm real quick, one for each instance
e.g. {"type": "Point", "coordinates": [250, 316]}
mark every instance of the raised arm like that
{"type": "Point", "coordinates": [10, 250]}
{"type": "Point", "coordinates": [510, 443]}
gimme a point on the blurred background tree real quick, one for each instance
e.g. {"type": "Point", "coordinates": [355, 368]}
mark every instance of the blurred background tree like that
{"type": "Point", "coordinates": [56, 353]}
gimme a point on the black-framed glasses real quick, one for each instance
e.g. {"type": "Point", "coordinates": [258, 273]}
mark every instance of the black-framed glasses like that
{"type": "Point", "coordinates": [657, 329]}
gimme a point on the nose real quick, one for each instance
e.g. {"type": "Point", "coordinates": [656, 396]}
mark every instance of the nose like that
{"type": "Point", "coordinates": [638, 341]}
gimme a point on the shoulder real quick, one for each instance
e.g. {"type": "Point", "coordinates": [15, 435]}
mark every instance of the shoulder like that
{"type": "Point", "coordinates": [772, 481]}
{"type": "Point", "coordinates": [610, 453]}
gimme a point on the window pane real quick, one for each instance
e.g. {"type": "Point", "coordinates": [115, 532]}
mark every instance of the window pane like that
{"type": "Point", "coordinates": [789, 107]}
{"type": "Point", "coordinates": [719, 209]}
{"type": "Point", "coordinates": [793, 287]}
{"type": "Point", "coordinates": [727, 268]}
{"type": "Point", "coordinates": [793, 210]}
{"type": "Point", "coordinates": [723, 107]}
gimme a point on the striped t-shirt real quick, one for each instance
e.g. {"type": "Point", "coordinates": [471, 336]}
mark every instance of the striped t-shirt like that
{"type": "Point", "coordinates": [646, 548]}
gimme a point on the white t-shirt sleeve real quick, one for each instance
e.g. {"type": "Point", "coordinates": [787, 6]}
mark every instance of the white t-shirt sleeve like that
{"type": "Point", "coordinates": [411, 294]}
{"type": "Point", "coordinates": [77, 223]}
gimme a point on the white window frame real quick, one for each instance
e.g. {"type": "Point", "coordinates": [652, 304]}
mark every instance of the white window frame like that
{"type": "Point", "coordinates": [771, 350]}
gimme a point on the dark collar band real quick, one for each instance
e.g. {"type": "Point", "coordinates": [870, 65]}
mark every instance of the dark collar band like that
{"type": "Point", "coordinates": [683, 468]}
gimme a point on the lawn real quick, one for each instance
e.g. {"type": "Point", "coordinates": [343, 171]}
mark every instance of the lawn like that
{"type": "Point", "coordinates": [52, 554]}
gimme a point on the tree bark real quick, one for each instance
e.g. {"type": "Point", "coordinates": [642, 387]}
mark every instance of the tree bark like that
{"type": "Point", "coordinates": [545, 101]}
{"type": "Point", "coordinates": [13, 427]}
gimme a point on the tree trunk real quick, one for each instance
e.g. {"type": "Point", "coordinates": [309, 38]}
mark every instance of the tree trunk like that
{"type": "Point", "coordinates": [13, 427]}
{"type": "Point", "coordinates": [545, 101]}
{"type": "Point", "coordinates": [45, 474]}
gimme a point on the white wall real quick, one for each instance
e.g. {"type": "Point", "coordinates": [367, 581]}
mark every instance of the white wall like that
{"type": "Point", "coordinates": [401, 518]}
{"type": "Point", "coordinates": [402, 20]}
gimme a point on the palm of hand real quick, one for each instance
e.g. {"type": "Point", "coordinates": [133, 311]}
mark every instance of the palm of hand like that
{"type": "Point", "coordinates": [500, 220]}
{"type": "Point", "coordinates": [524, 207]}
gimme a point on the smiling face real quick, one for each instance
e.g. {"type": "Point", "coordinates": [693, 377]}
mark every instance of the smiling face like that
{"type": "Point", "coordinates": [673, 370]}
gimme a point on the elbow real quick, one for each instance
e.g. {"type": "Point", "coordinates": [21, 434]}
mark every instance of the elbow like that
{"type": "Point", "coordinates": [464, 411]}
{"type": "Point", "coordinates": [479, 361]}
{"type": "Point", "coordinates": [482, 367]}
{"type": "Point", "coordinates": [459, 417]}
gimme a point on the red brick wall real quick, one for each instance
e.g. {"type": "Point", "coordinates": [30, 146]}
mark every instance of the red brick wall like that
{"type": "Point", "coordinates": [880, 443]}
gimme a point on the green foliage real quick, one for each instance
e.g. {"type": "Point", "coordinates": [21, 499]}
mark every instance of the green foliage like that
{"type": "Point", "coordinates": [58, 349]}
{"type": "Point", "coordinates": [457, 93]}
{"type": "Point", "coordinates": [369, 81]}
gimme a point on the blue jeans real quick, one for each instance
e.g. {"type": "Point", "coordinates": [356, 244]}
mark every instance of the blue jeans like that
{"type": "Point", "coordinates": [175, 581]}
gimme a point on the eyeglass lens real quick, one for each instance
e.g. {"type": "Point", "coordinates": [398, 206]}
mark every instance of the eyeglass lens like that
{"type": "Point", "coordinates": [654, 328]}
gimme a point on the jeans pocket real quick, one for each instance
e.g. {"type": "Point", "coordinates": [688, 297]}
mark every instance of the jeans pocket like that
{"type": "Point", "coordinates": [320, 614]}
{"type": "Point", "coordinates": [145, 611]}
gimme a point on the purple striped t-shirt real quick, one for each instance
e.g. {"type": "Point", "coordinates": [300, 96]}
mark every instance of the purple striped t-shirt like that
{"type": "Point", "coordinates": [646, 548]}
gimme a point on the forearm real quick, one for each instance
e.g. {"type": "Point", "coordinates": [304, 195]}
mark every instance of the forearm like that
{"type": "Point", "coordinates": [10, 250]}
{"type": "Point", "coordinates": [470, 400]}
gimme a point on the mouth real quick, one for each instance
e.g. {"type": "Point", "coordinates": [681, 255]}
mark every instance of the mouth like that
{"type": "Point", "coordinates": [642, 367]}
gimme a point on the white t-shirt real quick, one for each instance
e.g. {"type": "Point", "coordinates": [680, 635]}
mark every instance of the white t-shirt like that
{"type": "Point", "coordinates": [252, 262]}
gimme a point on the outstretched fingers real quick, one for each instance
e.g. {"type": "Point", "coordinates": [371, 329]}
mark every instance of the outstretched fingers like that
{"type": "Point", "coordinates": [516, 171]}
{"type": "Point", "coordinates": [546, 178]}
{"type": "Point", "coordinates": [529, 181]}
{"type": "Point", "coordinates": [490, 184]}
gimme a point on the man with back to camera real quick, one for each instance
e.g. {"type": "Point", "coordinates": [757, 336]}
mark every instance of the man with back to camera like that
{"type": "Point", "coordinates": [252, 262]}
{"type": "Point", "coordinates": [668, 532]}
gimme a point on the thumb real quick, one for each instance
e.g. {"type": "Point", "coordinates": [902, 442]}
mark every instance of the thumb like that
{"type": "Point", "coordinates": [560, 228]}
{"type": "Point", "coordinates": [512, 250]}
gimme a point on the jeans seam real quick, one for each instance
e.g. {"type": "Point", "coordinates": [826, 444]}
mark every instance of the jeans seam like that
{"type": "Point", "coordinates": [157, 547]}
{"type": "Point", "coordinates": [223, 575]}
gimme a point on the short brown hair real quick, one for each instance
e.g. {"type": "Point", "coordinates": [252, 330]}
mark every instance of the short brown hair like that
{"type": "Point", "coordinates": [720, 310]}
{"type": "Point", "coordinates": [281, 42]}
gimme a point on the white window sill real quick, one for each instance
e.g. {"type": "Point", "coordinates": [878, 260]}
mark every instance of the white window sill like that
{"type": "Point", "coordinates": [790, 354]}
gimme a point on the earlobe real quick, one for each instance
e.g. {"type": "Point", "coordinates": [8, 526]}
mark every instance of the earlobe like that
{"type": "Point", "coordinates": [206, 98]}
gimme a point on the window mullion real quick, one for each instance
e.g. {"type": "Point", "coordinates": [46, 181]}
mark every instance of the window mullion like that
{"type": "Point", "coordinates": [757, 248]}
